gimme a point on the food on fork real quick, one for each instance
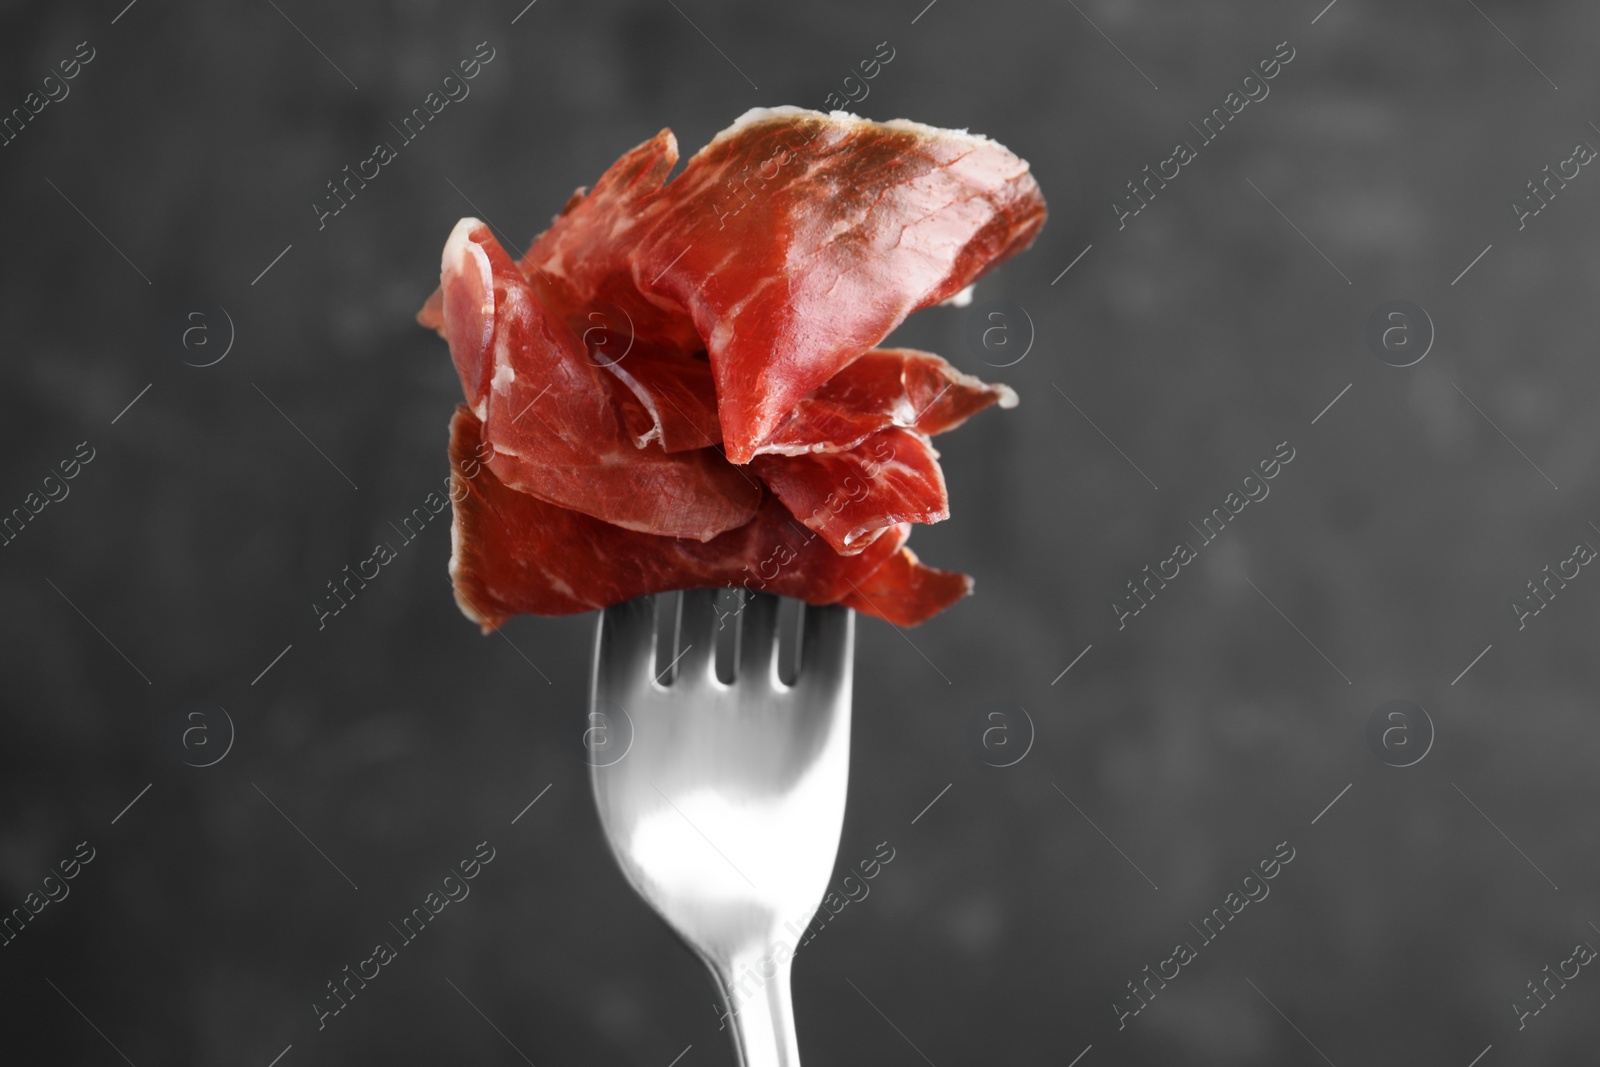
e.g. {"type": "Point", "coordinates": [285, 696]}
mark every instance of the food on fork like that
{"type": "Point", "coordinates": [679, 384]}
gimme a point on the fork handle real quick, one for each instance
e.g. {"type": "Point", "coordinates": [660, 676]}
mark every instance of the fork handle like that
{"type": "Point", "coordinates": [762, 1013]}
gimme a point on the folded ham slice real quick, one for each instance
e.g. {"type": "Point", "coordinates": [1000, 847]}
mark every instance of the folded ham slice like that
{"type": "Point", "coordinates": [904, 590]}
{"type": "Point", "coordinates": [882, 388]}
{"type": "Point", "coordinates": [676, 397]}
{"type": "Point", "coordinates": [549, 412]}
{"type": "Point", "coordinates": [515, 553]}
{"type": "Point", "coordinates": [891, 477]}
{"type": "Point", "coordinates": [794, 242]}
{"type": "Point", "coordinates": [735, 425]}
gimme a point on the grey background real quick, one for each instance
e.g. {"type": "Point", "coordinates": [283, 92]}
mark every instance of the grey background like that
{"type": "Point", "coordinates": [1214, 726]}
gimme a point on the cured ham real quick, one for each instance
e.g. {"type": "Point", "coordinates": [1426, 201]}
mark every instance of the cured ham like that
{"type": "Point", "coordinates": [584, 258]}
{"type": "Point", "coordinates": [676, 397]}
{"type": "Point", "coordinates": [549, 412]}
{"type": "Point", "coordinates": [514, 553]}
{"type": "Point", "coordinates": [891, 477]}
{"type": "Point", "coordinates": [884, 387]}
{"type": "Point", "coordinates": [793, 242]}
{"type": "Point", "coordinates": [904, 590]}
{"type": "Point", "coordinates": [678, 384]}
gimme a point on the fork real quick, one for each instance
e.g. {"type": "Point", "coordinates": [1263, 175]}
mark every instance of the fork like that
{"type": "Point", "coordinates": [725, 806]}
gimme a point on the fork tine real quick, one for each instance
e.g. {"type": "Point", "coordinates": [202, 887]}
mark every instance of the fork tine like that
{"type": "Point", "coordinates": [697, 634]}
{"type": "Point", "coordinates": [758, 638]}
{"type": "Point", "coordinates": [626, 641]}
{"type": "Point", "coordinates": [827, 642]}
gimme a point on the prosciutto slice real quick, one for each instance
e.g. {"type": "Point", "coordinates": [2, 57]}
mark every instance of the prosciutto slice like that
{"type": "Point", "coordinates": [515, 553]}
{"type": "Point", "coordinates": [823, 233]}
{"type": "Point", "coordinates": [905, 591]}
{"type": "Point", "coordinates": [676, 397]}
{"type": "Point", "coordinates": [678, 384]}
{"type": "Point", "coordinates": [884, 387]}
{"type": "Point", "coordinates": [549, 412]}
{"type": "Point", "coordinates": [891, 477]}
{"type": "Point", "coordinates": [793, 242]}
{"type": "Point", "coordinates": [584, 260]}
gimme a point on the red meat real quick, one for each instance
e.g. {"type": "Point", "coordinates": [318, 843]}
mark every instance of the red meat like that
{"type": "Point", "coordinates": [583, 261]}
{"type": "Point", "coordinates": [550, 415]}
{"type": "Point", "coordinates": [891, 477]}
{"type": "Point", "coordinates": [885, 387]}
{"type": "Point", "coordinates": [677, 384]}
{"type": "Point", "coordinates": [793, 242]}
{"type": "Point", "coordinates": [515, 553]}
{"type": "Point", "coordinates": [797, 241]}
{"type": "Point", "coordinates": [905, 591]}
{"type": "Point", "coordinates": [677, 400]}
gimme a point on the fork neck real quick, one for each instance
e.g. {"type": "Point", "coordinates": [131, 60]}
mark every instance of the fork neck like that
{"type": "Point", "coordinates": [762, 1018]}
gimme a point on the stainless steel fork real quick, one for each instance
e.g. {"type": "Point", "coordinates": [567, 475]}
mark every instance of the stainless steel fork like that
{"type": "Point", "coordinates": [723, 803]}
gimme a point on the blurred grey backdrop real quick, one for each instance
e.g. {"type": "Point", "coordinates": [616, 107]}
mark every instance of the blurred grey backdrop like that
{"type": "Point", "coordinates": [174, 174]}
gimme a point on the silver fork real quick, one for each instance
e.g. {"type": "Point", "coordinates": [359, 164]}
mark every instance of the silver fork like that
{"type": "Point", "coordinates": [723, 803]}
